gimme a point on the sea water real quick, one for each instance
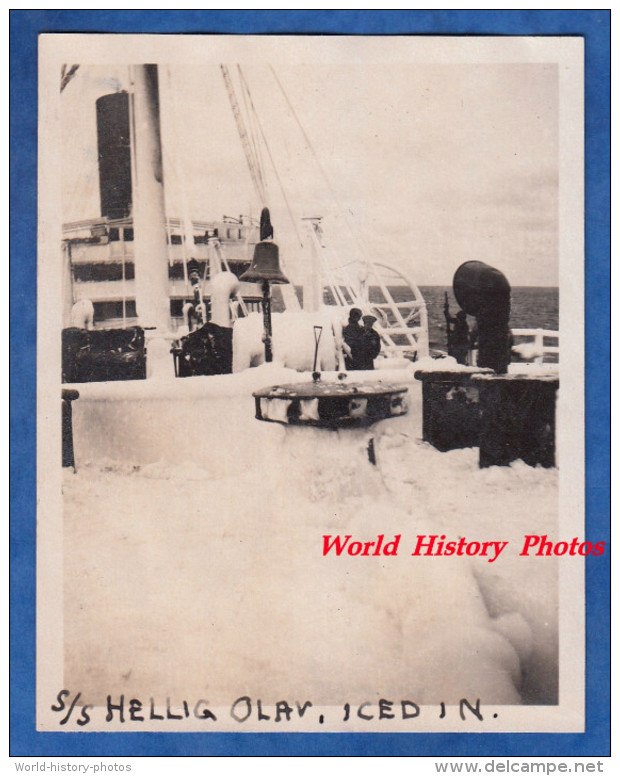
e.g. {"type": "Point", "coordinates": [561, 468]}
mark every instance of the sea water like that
{"type": "Point", "coordinates": [531, 307]}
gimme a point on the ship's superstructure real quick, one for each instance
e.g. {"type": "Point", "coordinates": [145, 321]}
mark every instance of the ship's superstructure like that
{"type": "Point", "coordinates": [100, 256]}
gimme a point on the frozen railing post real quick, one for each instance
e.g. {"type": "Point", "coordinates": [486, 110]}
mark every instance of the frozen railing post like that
{"type": "Point", "coordinates": [535, 349]}
{"type": "Point", "coordinates": [539, 344]}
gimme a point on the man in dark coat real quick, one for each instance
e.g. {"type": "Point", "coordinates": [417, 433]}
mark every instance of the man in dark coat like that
{"type": "Point", "coordinates": [458, 337]}
{"type": "Point", "coordinates": [370, 344]}
{"type": "Point", "coordinates": [352, 334]}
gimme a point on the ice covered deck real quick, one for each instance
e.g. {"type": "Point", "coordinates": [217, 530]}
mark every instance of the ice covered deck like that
{"type": "Point", "coordinates": [195, 566]}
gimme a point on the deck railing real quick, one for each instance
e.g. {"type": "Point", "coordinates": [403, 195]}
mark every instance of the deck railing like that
{"type": "Point", "coordinates": [536, 350]}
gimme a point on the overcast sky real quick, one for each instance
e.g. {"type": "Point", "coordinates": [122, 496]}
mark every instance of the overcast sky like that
{"type": "Point", "coordinates": [433, 164]}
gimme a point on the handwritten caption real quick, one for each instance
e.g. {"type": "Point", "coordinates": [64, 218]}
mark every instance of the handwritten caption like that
{"type": "Point", "coordinates": [70, 708]}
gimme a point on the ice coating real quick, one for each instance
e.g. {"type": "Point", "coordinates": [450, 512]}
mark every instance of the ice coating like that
{"type": "Point", "coordinates": [293, 339]}
{"type": "Point", "coordinates": [194, 536]}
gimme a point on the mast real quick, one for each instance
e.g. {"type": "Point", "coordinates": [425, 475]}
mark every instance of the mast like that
{"type": "Point", "coordinates": [149, 214]}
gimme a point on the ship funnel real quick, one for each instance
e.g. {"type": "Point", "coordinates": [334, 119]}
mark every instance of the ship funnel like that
{"type": "Point", "coordinates": [114, 151]}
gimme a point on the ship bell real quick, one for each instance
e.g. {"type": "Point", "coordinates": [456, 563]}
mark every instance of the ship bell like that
{"type": "Point", "coordinates": [265, 265]}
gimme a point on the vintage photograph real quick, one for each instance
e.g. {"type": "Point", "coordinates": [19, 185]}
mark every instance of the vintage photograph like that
{"type": "Point", "coordinates": [318, 463]}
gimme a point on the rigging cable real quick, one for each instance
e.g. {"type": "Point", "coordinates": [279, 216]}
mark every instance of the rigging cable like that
{"type": "Point", "coordinates": [271, 159]}
{"type": "Point", "coordinates": [385, 290]}
{"type": "Point", "coordinates": [243, 135]}
{"type": "Point", "coordinates": [254, 140]}
{"type": "Point", "coordinates": [320, 166]}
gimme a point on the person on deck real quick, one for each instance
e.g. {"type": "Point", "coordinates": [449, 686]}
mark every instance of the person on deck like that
{"type": "Point", "coordinates": [370, 344]}
{"type": "Point", "coordinates": [195, 311]}
{"type": "Point", "coordinates": [458, 337]}
{"type": "Point", "coordinates": [352, 335]}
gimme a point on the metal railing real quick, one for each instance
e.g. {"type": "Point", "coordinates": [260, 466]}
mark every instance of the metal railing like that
{"type": "Point", "coordinates": [536, 350]}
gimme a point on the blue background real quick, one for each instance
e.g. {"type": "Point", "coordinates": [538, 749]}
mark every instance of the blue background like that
{"type": "Point", "coordinates": [594, 26]}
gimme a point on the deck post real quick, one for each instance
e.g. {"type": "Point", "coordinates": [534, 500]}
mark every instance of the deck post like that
{"type": "Point", "coordinates": [150, 243]}
{"type": "Point", "coordinates": [68, 455]}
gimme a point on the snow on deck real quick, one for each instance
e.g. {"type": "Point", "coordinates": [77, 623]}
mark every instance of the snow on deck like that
{"type": "Point", "coordinates": [194, 555]}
